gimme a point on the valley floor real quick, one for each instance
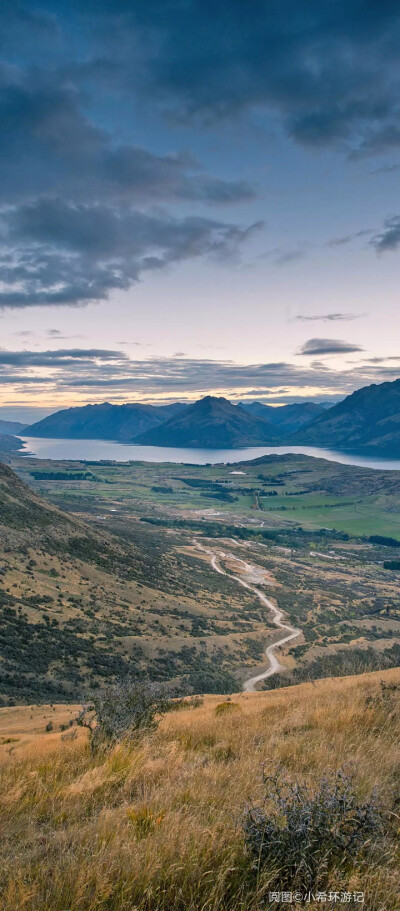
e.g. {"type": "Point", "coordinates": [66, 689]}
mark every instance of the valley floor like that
{"type": "Point", "coordinates": [157, 825]}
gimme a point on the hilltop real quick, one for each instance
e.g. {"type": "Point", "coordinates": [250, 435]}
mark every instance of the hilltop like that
{"type": "Point", "coordinates": [158, 822]}
{"type": "Point", "coordinates": [212, 423]}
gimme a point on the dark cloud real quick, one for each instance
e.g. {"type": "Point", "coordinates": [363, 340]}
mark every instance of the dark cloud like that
{"type": "Point", "coordinates": [78, 216]}
{"type": "Point", "coordinates": [80, 192]}
{"type": "Point", "coordinates": [49, 141]}
{"type": "Point", "coordinates": [58, 358]}
{"type": "Point", "coordinates": [56, 252]}
{"type": "Point", "coordinates": [389, 238]}
{"type": "Point", "coordinates": [328, 317]}
{"type": "Point", "coordinates": [320, 346]}
{"type": "Point", "coordinates": [329, 73]}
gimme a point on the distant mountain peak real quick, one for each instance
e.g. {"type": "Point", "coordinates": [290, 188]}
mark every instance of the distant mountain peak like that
{"type": "Point", "coordinates": [212, 423]}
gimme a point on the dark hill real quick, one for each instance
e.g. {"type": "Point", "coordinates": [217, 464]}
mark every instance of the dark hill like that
{"type": "Point", "coordinates": [212, 423]}
{"type": "Point", "coordinates": [366, 421]}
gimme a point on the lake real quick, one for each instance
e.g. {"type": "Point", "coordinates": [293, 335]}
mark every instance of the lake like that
{"type": "Point", "coordinates": [97, 450]}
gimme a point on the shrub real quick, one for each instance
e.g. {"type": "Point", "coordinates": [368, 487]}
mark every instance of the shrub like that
{"type": "Point", "coordinates": [123, 710]}
{"type": "Point", "coordinates": [224, 708]}
{"type": "Point", "coordinates": [306, 834]}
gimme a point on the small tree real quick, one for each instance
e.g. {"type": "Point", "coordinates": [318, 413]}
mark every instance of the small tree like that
{"type": "Point", "coordinates": [123, 710]}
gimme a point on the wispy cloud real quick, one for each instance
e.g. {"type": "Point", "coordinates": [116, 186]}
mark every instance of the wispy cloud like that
{"type": "Point", "coordinates": [328, 317]}
{"type": "Point", "coordinates": [348, 238]}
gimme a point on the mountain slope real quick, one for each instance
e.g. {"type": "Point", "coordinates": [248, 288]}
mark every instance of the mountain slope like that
{"type": "Point", "coordinates": [288, 417]}
{"type": "Point", "coordinates": [212, 423]}
{"type": "Point", "coordinates": [79, 606]}
{"type": "Point", "coordinates": [366, 421]}
{"type": "Point", "coordinates": [61, 582]}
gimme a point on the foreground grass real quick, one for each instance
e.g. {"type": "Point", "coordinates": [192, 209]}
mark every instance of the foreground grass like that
{"type": "Point", "coordinates": [157, 826]}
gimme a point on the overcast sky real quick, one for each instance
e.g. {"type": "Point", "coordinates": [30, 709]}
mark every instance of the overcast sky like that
{"type": "Point", "coordinates": [198, 197]}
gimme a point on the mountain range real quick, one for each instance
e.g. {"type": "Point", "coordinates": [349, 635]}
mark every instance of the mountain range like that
{"type": "Point", "coordinates": [103, 422]}
{"type": "Point", "coordinates": [366, 421]}
{"type": "Point", "coordinates": [210, 423]}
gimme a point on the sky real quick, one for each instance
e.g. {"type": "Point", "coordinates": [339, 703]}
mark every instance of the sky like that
{"type": "Point", "coordinates": [197, 198]}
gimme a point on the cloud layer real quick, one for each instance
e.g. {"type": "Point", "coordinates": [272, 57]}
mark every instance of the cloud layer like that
{"type": "Point", "coordinates": [97, 374]}
{"type": "Point", "coordinates": [87, 208]}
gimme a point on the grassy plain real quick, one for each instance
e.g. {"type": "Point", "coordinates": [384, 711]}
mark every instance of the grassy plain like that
{"type": "Point", "coordinates": [291, 489]}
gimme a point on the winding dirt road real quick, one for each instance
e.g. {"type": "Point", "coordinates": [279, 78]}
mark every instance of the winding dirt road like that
{"type": "Point", "coordinates": [291, 632]}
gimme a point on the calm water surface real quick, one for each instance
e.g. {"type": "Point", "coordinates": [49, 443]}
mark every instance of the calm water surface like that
{"type": "Point", "coordinates": [96, 450]}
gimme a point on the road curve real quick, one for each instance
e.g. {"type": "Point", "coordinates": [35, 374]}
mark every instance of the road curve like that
{"type": "Point", "coordinates": [291, 632]}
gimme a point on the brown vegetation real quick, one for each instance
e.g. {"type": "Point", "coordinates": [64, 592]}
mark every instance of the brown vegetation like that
{"type": "Point", "coordinates": [156, 825]}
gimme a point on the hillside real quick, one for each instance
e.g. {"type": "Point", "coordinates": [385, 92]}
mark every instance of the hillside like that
{"type": "Point", "coordinates": [366, 421]}
{"type": "Point", "coordinates": [289, 418]}
{"type": "Point", "coordinates": [102, 422]}
{"type": "Point", "coordinates": [212, 423]}
{"type": "Point", "coordinates": [159, 823]}
{"type": "Point", "coordinates": [79, 606]}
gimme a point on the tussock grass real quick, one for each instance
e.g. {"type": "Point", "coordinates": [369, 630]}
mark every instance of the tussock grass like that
{"type": "Point", "coordinates": [156, 825]}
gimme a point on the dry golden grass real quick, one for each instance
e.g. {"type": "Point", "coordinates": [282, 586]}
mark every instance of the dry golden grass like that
{"type": "Point", "coordinates": [156, 826]}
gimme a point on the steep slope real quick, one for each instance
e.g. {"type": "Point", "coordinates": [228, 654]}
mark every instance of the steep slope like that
{"type": "Point", "coordinates": [366, 421]}
{"type": "Point", "coordinates": [212, 423]}
{"type": "Point", "coordinates": [103, 422]}
{"type": "Point", "coordinates": [289, 418]}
